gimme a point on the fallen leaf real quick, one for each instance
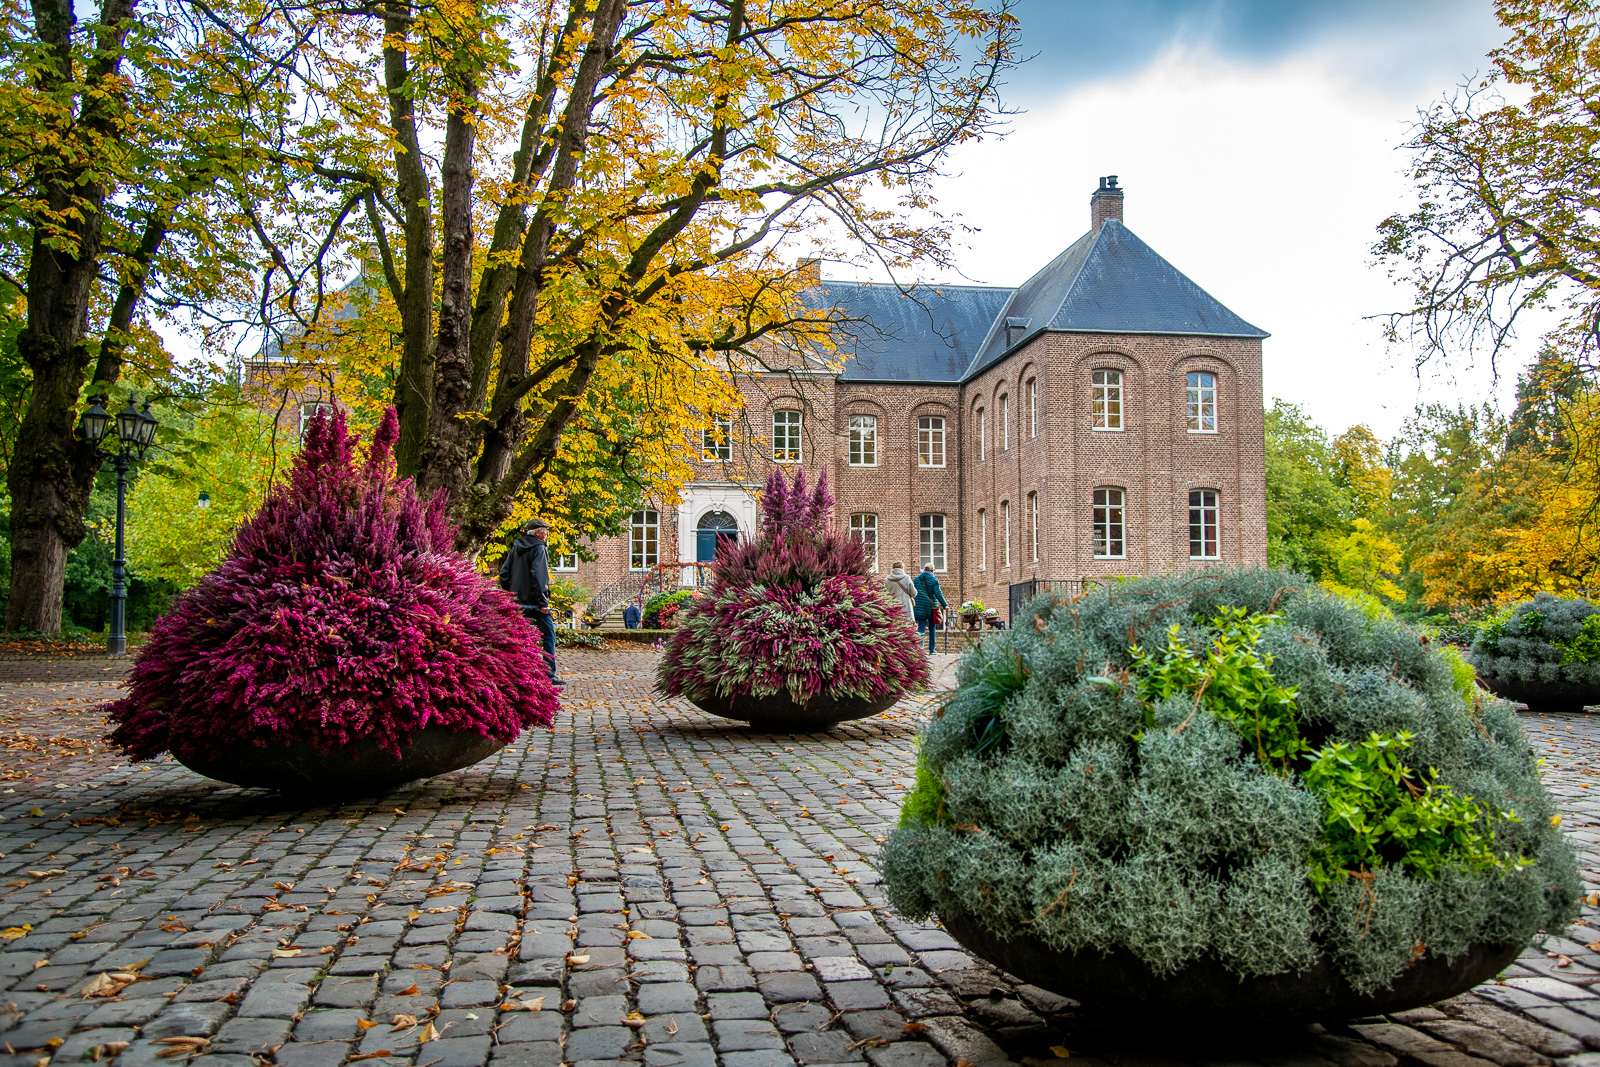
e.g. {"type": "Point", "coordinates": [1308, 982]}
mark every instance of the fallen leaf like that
{"type": "Point", "coordinates": [411, 992]}
{"type": "Point", "coordinates": [672, 1026]}
{"type": "Point", "coordinates": [1061, 1052]}
{"type": "Point", "coordinates": [102, 985]}
{"type": "Point", "coordinates": [402, 1022]}
{"type": "Point", "coordinates": [913, 1030]}
{"type": "Point", "coordinates": [634, 1019]}
{"type": "Point", "coordinates": [51, 873]}
{"type": "Point", "coordinates": [114, 1048]}
{"type": "Point", "coordinates": [536, 1004]}
{"type": "Point", "coordinates": [55, 1042]}
{"type": "Point", "coordinates": [577, 959]}
{"type": "Point", "coordinates": [365, 1024]}
{"type": "Point", "coordinates": [11, 933]}
{"type": "Point", "coordinates": [429, 1033]}
{"type": "Point", "coordinates": [382, 1052]}
{"type": "Point", "coordinates": [36, 811]}
{"type": "Point", "coordinates": [284, 953]}
{"type": "Point", "coordinates": [638, 935]}
{"type": "Point", "coordinates": [411, 916]}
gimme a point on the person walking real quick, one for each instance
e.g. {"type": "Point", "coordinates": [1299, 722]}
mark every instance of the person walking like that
{"type": "Point", "coordinates": [630, 616]}
{"type": "Point", "coordinates": [901, 591]}
{"type": "Point", "coordinates": [930, 599]}
{"type": "Point", "coordinates": [525, 574]}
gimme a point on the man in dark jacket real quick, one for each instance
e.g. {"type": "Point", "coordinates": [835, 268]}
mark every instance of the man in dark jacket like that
{"type": "Point", "coordinates": [630, 616]}
{"type": "Point", "coordinates": [525, 574]}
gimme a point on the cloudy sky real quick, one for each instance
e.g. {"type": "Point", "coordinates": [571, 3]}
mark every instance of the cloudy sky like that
{"type": "Point", "coordinates": [1258, 144]}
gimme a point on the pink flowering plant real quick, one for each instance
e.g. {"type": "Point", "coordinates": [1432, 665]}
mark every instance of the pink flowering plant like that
{"type": "Point", "coordinates": [341, 613]}
{"type": "Point", "coordinates": [794, 609]}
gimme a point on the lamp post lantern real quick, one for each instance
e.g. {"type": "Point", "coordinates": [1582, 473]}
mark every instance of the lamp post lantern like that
{"type": "Point", "coordinates": [135, 430]}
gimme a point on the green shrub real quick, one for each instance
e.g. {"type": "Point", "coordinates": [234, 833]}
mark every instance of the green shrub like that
{"type": "Point", "coordinates": [1546, 639]}
{"type": "Point", "coordinates": [651, 615]}
{"type": "Point", "coordinates": [1246, 768]}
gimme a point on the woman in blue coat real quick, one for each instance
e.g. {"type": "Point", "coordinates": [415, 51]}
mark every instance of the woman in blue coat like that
{"type": "Point", "coordinates": [929, 597]}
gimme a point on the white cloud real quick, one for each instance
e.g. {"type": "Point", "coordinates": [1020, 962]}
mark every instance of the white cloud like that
{"type": "Point", "coordinates": [1263, 183]}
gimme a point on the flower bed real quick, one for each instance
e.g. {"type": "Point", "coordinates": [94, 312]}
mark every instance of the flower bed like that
{"type": "Point", "coordinates": [1235, 795]}
{"type": "Point", "coordinates": [793, 631]}
{"type": "Point", "coordinates": [341, 617]}
{"type": "Point", "coordinates": [1544, 653]}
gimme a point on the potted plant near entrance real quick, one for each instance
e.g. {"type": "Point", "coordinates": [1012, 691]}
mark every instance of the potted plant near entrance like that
{"type": "Point", "coordinates": [1544, 653]}
{"type": "Point", "coordinates": [342, 646]}
{"type": "Point", "coordinates": [793, 633]}
{"type": "Point", "coordinates": [1231, 797]}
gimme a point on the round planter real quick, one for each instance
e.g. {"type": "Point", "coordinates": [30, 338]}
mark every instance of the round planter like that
{"type": "Point", "coordinates": [780, 712]}
{"type": "Point", "coordinates": [357, 768]}
{"type": "Point", "coordinates": [1122, 984]}
{"type": "Point", "coordinates": [1542, 697]}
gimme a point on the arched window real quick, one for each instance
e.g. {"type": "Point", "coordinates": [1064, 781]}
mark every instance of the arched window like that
{"type": "Point", "coordinates": [1109, 528]}
{"type": "Point", "coordinates": [1106, 399]}
{"type": "Point", "coordinates": [1005, 422]}
{"type": "Point", "coordinates": [786, 427]}
{"type": "Point", "coordinates": [864, 527]}
{"type": "Point", "coordinates": [1033, 408]}
{"type": "Point", "coordinates": [1203, 540]}
{"type": "Point", "coordinates": [932, 541]}
{"type": "Point", "coordinates": [930, 441]}
{"type": "Point", "coordinates": [863, 441]}
{"type": "Point", "coordinates": [1202, 402]}
{"type": "Point", "coordinates": [644, 540]}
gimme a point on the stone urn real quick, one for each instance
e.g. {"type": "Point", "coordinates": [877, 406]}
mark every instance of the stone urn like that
{"type": "Point", "coordinates": [780, 713]}
{"type": "Point", "coordinates": [1542, 697]}
{"type": "Point", "coordinates": [1121, 984]}
{"type": "Point", "coordinates": [359, 768]}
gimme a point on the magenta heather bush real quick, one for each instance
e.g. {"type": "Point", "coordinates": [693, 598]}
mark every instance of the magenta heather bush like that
{"type": "Point", "coordinates": [793, 609]}
{"type": "Point", "coordinates": [342, 612]}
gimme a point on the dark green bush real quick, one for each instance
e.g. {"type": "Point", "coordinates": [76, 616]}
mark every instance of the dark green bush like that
{"type": "Point", "coordinates": [1244, 768]}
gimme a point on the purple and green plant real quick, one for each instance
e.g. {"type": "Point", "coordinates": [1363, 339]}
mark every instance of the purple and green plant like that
{"type": "Point", "coordinates": [342, 612]}
{"type": "Point", "coordinates": [795, 608]}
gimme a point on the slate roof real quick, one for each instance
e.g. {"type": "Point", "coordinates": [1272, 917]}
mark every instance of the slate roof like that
{"type": "Point", "coordinates": [1110, 282]}
{"type": "Point", "coordinates": [922, 333]}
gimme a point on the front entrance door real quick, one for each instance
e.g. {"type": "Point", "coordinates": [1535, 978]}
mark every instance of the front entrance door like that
{"type": "Point", "coordinates": [714, 526]}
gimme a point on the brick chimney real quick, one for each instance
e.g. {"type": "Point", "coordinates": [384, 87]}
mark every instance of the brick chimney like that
{"type": "Point", "coordinates": [1106, 203]}
{"type": "Point", "coordinates": [808, 270]}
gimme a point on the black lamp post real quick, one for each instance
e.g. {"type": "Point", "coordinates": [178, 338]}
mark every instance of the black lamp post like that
{"type": "Point", "coordinates": [135, 430]}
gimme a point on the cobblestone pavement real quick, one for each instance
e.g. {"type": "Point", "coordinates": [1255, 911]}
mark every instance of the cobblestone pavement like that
{"type": "Point", "coordinates": [643, 884]}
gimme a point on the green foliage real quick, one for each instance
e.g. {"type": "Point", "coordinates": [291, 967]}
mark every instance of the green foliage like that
{"type": "Point", "coordinates": [564, 592]}
{"type": "Point", "coordinates": [1547, 639]}
{"type": "Point", "coordinates": [650, 617]}
{"type": "Point", "coordinates": [579, 639]}
{"type": "Point", "coordinates": [1383, 813]}
{"type": "Point", "coordinates": [925, 802]}
{"type": "Point", "coordinates": [1118, 812]}
{"type": "Point", "coordinates": [1585, 648]}
{"type": "Point", "coordinates": [1306, 507]}
{"type": "Point", "coordinates": [1233, 681]}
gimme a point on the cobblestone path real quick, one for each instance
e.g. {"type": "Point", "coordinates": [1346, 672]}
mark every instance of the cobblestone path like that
{"type": "Point", "coordinates": [643, 884]}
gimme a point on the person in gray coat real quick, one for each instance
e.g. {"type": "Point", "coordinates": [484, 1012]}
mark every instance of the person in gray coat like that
{"type": "Point", "coordinates": [901, 591]}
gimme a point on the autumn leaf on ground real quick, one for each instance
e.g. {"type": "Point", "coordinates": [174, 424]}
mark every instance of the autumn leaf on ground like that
{"type": "Point", "coordinates": [638, 935]}
{"type": "Point", "coordinates": [51, 873]}
{"type": "Point", "coordinates": [365, 1024]}
{"type": "Point", "coordinates": [411, 992]}
{"type": "Point", "coordinates": [429, 1033]}
{"type": "Point", "coordinates": [402, 1022]}
{"type": "Point", "coordinates": [11, 933]}
{"type": "Point", "coordinates": [536, 1004]}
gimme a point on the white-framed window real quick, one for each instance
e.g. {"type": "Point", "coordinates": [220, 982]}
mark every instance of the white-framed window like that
{"type": "Point", "coordinates": [1109, 530]}
{"type": "Point", "coordinates": [930, 441]}
{"type": "Point", "coordinates": [983, 540]}
{"type": "Point", "coordinates": [1005, 525]}
{"type": "Point", "coordinates": [716, 440]}
{"type": "Point", "coordinates": [932, 541]}
{"type": "Point", "coordinates": [1202, 402]}
{"type": "Point", "coordinates": [1203, 524]}
{"type": "Point", "coordinates": [983, 436]}
{"type": "Point", "coordinates": [564, 561]}
{"type": "Point", "coordinates": [1106, 397]}
{"type": "Point", "coordinates": [787, 425]}
{"type": "Point", "coordinates": [864, 527]}
{"type": "Point", "coordinates": [1033, 527]}
{"type": "Point", "coordinates": [1033, 408]}
{"type": "Point", "coordinates": [863, 441]}
{"type": "Point", "coordinates": [1005, 422]}
{"type": "Point", "coordinates": [644, 540]}
{"type": "Point", "coordinates": [308, 411]}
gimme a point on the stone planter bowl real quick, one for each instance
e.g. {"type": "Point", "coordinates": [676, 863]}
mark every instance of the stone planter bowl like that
{"type": "Point", "coordinates": [356, 769]}
{"type": "Point", "coordinates": [1542, 697]}
{"type": "Point", "coordinates": [780, 713]}
{"type": "Point", "coordinates": [1204, 991]}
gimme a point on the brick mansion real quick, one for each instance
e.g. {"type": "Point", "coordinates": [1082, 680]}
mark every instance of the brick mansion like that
{"type": "Point", "coordinates": [1103, 418]}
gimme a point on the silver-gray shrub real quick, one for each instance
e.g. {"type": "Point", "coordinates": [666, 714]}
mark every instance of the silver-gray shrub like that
{"type": "Point", "coordinates": [1181, 844]}
{"type": "Point", "coordinates": [1546, 639]}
